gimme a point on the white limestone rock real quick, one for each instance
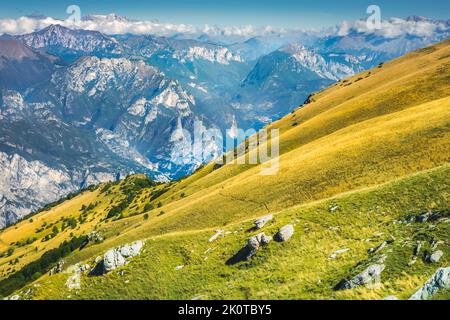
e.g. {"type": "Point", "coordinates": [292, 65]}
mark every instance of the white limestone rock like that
{"type": "Point", "coordinates": [259, 223]}
{"type": "Point", "coordinates": [285, 233]}
{"type": "Point", "coordinates": [440, 280]}
{"type": "Point", "coordinates": [369, 278]}
{"type": "Point", "coordinates": [436, 256]}
{"type": "Point", "coordinates": [118, 257]}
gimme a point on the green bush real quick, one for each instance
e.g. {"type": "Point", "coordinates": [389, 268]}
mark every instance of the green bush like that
{"type": "Point", "coordinates": [148, 207]}
{"type": "Point", "coordinates": [35, 269]}
{"type": "Point", "coordinates": [10, 252]}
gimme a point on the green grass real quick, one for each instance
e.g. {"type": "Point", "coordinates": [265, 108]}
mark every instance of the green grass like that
{"type": "Point", "coordinates": [378, 148]}
{"type": "Point", "coordinates": [298, 269]}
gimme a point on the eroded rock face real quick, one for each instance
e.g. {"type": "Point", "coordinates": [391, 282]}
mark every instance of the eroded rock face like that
{"type": "Point", "coordinates": [259, 223]}
{"type": "Point", "coordinates": [285, 233]}
{"type": "Point", "coordinates": [369, 278]}
{"type": "Point", "coordinates": [58, 268]}
{"type": "Point", "coordinates": [118, 257]}
{"type": "Point", "coordinates": [26, 186]}
{"type": "Point", "coordinates": [17, 175]}
{"type": "Point", "coordinates": [440, 280]}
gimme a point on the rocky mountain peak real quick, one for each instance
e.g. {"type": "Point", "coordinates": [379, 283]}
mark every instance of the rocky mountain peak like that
{"type": "Point", "coordinates": [417, 19]}
{"type": "Point", "coordinates": [60, 36]}
{"type": "Point", "coordinates": [111, 17]}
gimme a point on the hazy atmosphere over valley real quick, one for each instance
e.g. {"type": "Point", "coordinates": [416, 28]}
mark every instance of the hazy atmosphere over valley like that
{"type": "Point", "coordinates": [240, 150]}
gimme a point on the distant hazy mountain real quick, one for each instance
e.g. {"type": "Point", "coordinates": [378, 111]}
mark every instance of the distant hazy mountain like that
{"type": "Point", "coordinates": [396, 37]}
{"type": "Point", "coordinates": [287, 76]}
{"type": "Point", "coordinates": [71, 44]}
{"type": "Point", "coordinates": [21, 66]}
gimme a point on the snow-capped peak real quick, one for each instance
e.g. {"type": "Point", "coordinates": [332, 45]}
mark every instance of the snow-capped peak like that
{"type": "Point", "coordinates": [80, 40]}
{"type": "Point", "coordinates": [220, 55]}
{"type": "Point", "coordinates": [395, 27]}
{"type": "Point", "coordinates": [93, 75]}
{"type": "Point", "coordinates": [327, 69]}
{"type": "Point", "coordinates": [112, 17]}
{"type": "Point", "coordinates": [173, 97]}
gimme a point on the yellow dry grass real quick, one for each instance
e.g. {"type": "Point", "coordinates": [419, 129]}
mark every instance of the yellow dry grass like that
{"type": "Point", "coordinates": [381, 125]}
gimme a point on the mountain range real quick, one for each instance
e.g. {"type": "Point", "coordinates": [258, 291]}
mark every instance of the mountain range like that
{"type": "Point", "coordinates": [78, 107]}
{"type": "Point", "coordinates": [358, 207]}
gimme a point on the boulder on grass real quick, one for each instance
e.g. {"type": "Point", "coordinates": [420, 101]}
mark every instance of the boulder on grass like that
{"type": "Point", "coordinates": [369, 278]}
{"type": "Point", "coordinates": [435, 256]}
{"type": "Point", "coordinates": [253, 244]}
{"type": "Point", "coordinates": [285, 233]}
{"type": "Point", "coordinates": [256, 242]}
{"type": "Point", "coordinates": [259, 223]}
{"type": "Point", "coordinates": [117, 257]}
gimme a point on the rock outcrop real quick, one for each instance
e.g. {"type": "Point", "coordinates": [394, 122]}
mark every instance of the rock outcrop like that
{"type": "Point", "coordinates": [58, 268]}
{"type": "Point", "coordinates": [256, 242]}
{"type": "Point", "coordinates": [253, 244]}
{"type": "Point", "coordinates": [118, 257]}
{"type": "Point", "coordinates": [94, 237]}
{"type": "Point", "coordinates": [369, 278]}
{"type": "Point", "coordinates": [285, 233]}
{"type": "Point", "coordinates": [417, 249]}
{"type": "Point", "coordinates": [74, 280]}
{"type": "Point", "coordinates": [259, 223]}
{"type": "Point", "coordinates": [428, 216]}
{"type": "Point", "coordinates": [440, 280]}
{"type": "Point", "coordinates": [379, 248]}
{"type": "Point", "coordinates": [435, 256]}
{"type": "Point", "coordinates": [26, 186]}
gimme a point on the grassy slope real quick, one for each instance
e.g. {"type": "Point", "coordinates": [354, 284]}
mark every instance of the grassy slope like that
{"type": "Point", "coordinates": [298, 269]}
{"type": "Point", "coordinates": [384, 124]}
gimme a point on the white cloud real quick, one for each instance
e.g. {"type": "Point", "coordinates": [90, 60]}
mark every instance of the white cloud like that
{"type": "Point", "coordinates": [108, 24]}
{"type": "Point", "coordinates": [243, 31]}
{"type": "Point", "coordinates": [395, 27]}
{"type": "Point", "coordinates": [25, 25]}
{"type": "Point", "coordinates": [114, 24]}
{"type": "Point", "coordinates": [344, 29]}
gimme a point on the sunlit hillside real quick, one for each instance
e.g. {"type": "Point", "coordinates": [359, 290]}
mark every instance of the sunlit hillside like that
{"type": "Point", "coordinates": [358, 163]}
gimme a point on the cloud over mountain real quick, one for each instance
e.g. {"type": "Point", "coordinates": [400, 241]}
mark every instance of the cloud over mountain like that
{"type": "Point", "coordinates": [394, 27]}
{"type": "Point", "coordinates": [114, 24]}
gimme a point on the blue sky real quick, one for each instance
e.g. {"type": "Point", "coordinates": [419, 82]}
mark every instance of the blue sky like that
{"type": "Point", "coordinates": [282, 13]}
